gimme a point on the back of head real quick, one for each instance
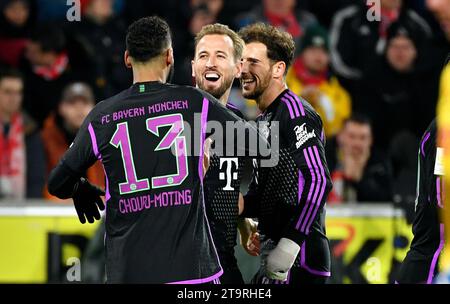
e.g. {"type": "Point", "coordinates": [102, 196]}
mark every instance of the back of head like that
{"type": "Point", "coordinates": [147, 38]}
{"type": "Point", "coordinates": [280, 45]}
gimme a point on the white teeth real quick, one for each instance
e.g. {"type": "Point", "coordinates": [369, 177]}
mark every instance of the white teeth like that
{"type": "Point", "coordinates": [247, 81]}
{"type": "Point", "coordinates": [212, 76]}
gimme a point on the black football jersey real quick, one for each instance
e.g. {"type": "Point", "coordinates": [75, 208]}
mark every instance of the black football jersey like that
{"type": "Point", "coordinates": [427, 226]}
{"type": "Point", "coordinates": [222, 188]}
{"type": "Point", "coordinates": [149, 138]}
{"type": "Point", "coordinates": [289, 198]}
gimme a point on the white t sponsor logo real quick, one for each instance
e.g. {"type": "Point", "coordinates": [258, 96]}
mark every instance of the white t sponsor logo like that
{"type": "Point", "coordinates": [302, 135]}
{"type": "Point", "coordinates": [228, 175]}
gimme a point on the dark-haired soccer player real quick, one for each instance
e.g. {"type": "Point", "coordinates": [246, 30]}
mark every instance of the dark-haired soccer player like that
{"type": "Point", "coordinates": [156, 227]}
{"type": "Point", "coordinates": [288, 199]}
{"type": "Point", "coordinates": [216, 63]}
{"type": "Point", "coordinates": [420, 263]}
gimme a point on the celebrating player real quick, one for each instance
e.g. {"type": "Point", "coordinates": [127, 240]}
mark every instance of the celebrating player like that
{"type": "Point", "coordinates": [289, 198]}
{"type": "Point", "coordinates": [216, 63]}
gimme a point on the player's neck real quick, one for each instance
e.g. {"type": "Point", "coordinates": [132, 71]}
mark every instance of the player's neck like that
{"type": "Point", "coordinates": [147, 73]}
{"type": "Point", "coordinates": [224, 98]}
{"type": "Point", "coordinates": [270, 94]}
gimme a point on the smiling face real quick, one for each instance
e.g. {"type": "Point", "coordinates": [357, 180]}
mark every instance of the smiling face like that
{"type": "Point", "coordinates": [214, 66]}
{"type": "Point", "coordinates": [256, 70]}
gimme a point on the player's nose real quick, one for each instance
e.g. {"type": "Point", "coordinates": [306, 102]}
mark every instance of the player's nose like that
{"type": "Point", "coordinates": [211, 62]}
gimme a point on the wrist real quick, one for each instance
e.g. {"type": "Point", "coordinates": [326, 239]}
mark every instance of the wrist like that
{"type": "Point", "coordinates": [289, 246]}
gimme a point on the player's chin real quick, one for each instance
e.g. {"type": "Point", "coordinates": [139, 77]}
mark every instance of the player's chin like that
{"type": "Point", "coordinates": [209, 86]}
{"type": "Point", "coordinates": [248, 92]}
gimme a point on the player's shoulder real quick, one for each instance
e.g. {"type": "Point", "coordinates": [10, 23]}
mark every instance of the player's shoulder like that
{"type": "Point", "coordinates": [428, 140]}
{"type": "Point", "coordinates": [188, 90]}
{"type": "Point", "coordinates": [431, 131]}
{"type": "Point", "coordinates": [429, 136]}
{"type": "Point", "coordinates": [195, 93]}
{"type": "Point", "coordinates": [294, 107]}
{"type": "Point", "coordinates": [103, 105]}
{"type": "Point", "coordinates": [432, 127]}
{"type": "Point", "coordinates": [235, 110]}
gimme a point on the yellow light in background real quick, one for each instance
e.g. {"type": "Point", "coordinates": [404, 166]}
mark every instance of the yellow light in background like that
{"type": "Point", "coordinates": [443, 121]}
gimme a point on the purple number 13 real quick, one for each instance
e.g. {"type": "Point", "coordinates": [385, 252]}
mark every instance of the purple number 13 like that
{"type": "Point", "coordinates": [172, 138]}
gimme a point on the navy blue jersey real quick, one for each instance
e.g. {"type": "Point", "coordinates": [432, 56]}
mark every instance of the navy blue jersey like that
{"type": "Point", "coordinates": [289, 199]}
{"type": "Point", "coordinates": [222, 188]}
{"type": "Point", "coordinates": [149, 139]}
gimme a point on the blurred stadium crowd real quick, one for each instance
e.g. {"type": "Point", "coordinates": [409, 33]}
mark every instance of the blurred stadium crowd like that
{"type": "Point", "coordinates": [375, 83]}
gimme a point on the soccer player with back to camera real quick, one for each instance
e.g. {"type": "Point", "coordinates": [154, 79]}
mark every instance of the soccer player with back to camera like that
{"type": "Point", "coordinates": [156, 227]}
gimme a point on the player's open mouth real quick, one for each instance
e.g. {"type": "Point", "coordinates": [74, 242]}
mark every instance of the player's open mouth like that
{"type": "Point", "coordinates": [212, 76]}
{"type": "Point", "coordinates": [247, 82]}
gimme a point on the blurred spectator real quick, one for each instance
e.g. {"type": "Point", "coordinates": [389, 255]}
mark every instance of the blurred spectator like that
{"type": "Point", "coordinates": [324, 10]}
{"type": "Point", "coordinates": [441, 44]}
{"type": "Point", "coordinates": [47, 71]}
{"type": "Point", "coordinates": [136, 9]}
{"type": "Point", "coordinates": [359, 172]}
{"type": "Point", "coordinates": [200, 13]}
{"type": "Point", "coordinates": [102, 35]}
{"type": "Point", "coordinates": [396, 93]}
{"type": "Point", "coordinates": [56, 10]}
{"type": "Point", "coordinates": [310, 77]}
{"type": "Point", "coordinates": [441, 10]}
{"type": "Point", "coordinates": [22, 162]}
{"type": "Point", "coordinates": [356, 42]}
{"type": "Point", "coordinates": [61, 127]}
{"type": "Point", "coordinates": [16, 21]}
{"type": "Point", "coordinates": [282, 14]}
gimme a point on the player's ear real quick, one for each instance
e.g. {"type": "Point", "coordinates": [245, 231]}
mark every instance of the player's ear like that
{"type": "Point", "coordinates": [238, 69]}
{"type": "Point", "coordinates": [278, 69]}
{"type": "Point", "coordinates": [192, 67]}
{"type": "Point", "coordinates": [169, 56]}
{"type": "Point", "coordinates": [127, 59]}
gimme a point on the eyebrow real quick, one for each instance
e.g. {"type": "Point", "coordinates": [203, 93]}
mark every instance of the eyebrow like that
{"type": "Point", "coordinates": [219, 52]}
{"type": "Point", "coordinates": [251, 59]}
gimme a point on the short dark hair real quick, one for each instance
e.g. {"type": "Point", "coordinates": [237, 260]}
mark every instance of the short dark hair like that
{"type": "Point", "coordinates": [50, 38]}
{"type": "Point", "coordinates": [359, 118]}
{"type": "Point", "coordinates": [147, 38]}
{"type": "Point", "coordinates": [280, 45]}
{"type": "Point", "coordinates": [8, 72]}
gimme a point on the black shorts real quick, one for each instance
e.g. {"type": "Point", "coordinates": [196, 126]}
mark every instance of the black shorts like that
{"type": "Point", "coordinates": [296, 276]}
{"type": "Point", "coordinates": [417, 268]}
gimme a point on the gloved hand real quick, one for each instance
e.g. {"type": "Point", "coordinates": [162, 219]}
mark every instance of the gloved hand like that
{"type": "Point", "coordinates": [281, 259]}
{"type": "Point", "coordinates": [87, 201]}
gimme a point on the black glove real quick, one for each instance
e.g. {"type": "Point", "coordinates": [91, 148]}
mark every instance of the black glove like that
{"type": "Point", "coordinates": [87, 201]}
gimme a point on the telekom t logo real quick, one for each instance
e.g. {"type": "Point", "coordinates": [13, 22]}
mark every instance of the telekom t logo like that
{"type": "Point", "coordinates": [229, 175]}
